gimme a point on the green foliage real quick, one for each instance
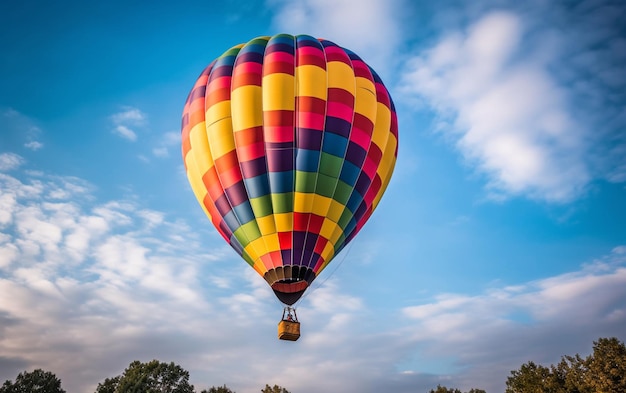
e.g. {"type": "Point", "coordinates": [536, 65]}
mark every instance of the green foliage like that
{"type": "Point", "coordinates": [37, 381]}
{"type": "Point", "coordinates": [219, 389]}
{"type": "Point", "coordinates": [530, 378]}
{"type": "Point", "coordinates": [569, 375]}
{"type": "Point", "coordinates": [151, 377]}
{"type": "Point", "coordinates": [266, 389]}
{"type": "Point", "coordinates": [606, 368]}
{"type": "Point", "coordinates": [602, 371]}
{"type": "Point", "coordinates": [443, 389]}
{"type": "Point", "coordinates": [109, 385]}
{"type": "Point", "coordinates": [274, 389]}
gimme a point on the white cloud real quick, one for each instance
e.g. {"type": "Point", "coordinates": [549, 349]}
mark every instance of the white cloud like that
{"type": "Point", "coordinates": [508, 115]}
{"type": "Point", "coordinates": [152, 218]}
{"type": "Point", "coordinates": [531, 94]}
{"type": "Point", "coordinates": [367, 27]}
{"type": "Point", "coordinates": [129, 115]}
{"type": "Point", "coordinates": [81, 274]}
{"type": "Point", "coordinates": [619, 250]}
{"type": "Point", "coordinates": [103, 284]}
{"type": "Point", "coordinates": [10, 161]}
{"type": "Point", "coordinates": [497, 331]}
{"type": "Point", "coordinates": [8, 252]}
{"type": "Point", "coordinates": [167, 141]}
{"type": "Point", "coordinates": [124, 120]}
{"type": "Point", "coordinates": [160, 152]}
{"type": "Point", "coordinates": [125, 133]}
{"type": "Point", "coordinates": [34, 145]}
{"type": "Point", "coordinates": [20, 128]}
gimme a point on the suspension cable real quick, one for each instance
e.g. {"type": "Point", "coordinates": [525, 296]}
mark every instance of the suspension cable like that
{"type": "Point", "coordinates": [315, 286]}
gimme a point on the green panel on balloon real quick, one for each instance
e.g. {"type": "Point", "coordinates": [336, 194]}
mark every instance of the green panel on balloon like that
{"type": "Point", "coordinates": [330, 165]}
{"type": "Point", "coordinates": [262, 206]}
{"type": "Point", "coordinates": [282, 203]}
{"type": "Point", "coordinates": [305, 182]}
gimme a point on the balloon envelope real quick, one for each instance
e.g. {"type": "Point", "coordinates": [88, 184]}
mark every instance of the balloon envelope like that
{"type": "Point", "coordinates": [289, 143]}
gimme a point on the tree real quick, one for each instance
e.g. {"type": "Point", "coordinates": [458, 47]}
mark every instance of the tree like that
{"type": "Point", "coordinates": [219, 389]}
{"type": "Point", "coordinates": [569, 376]}
{"type": "Point", "coordinates": [151, 377]}
{"type": "Point", "coordinates": [607, 366]}
{"type": "Point", "coordinates": [443, 389]}
{"type": "Point", "coordinates": [37, 381]}
{"type": "Point", "coordinates": [109, 385]}
{"type": "Point", "coordinates": [274, 389]}
{"type": "Point", "coordinates": [530, 378]}
{"type": "Point", "coordinates": [602, 371]}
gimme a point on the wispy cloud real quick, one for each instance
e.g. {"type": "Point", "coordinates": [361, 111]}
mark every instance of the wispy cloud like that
{"type": "Point", "coordinates": [505, 111]}
{"type": "Point", "coordinates": [495, 332]}
{"type": "Point", "coordinates": [10, 161]}
{"type": "Point", "coordinates": [33, 145]}
{"type": "Point", "coordinates": [125, 121]}
{"type": "Point", "coordinates": [129, 116]}
{"type": "Point", "coordinates": [165, 144]}
{"type": "Point", "coordinates": [70, 267]}
{"type": "Point", "coordinates": [530, 97]}
{"type": "Point", "coordinates": [125, 132]}
{"type": "Point", "coordinates": [86, 282]}
{"type": "Point", "coordinates": [367, 27]}
{"type": "Point", "coordinates": [21, 129]}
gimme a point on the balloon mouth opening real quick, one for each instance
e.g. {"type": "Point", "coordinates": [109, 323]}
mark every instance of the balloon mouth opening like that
{"type": "Point", "coordinates": [289, 291]}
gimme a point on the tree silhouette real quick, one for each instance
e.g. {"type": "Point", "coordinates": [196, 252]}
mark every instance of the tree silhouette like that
{"type": "Point", "coordinates": [602, 371]}
{"type": "Point", "coordinates": [274, 389]}
{"type": "Point", "coordinates": [37, 381]}
{"type": "Point", "coordinates": [151, 377]}
{"type": "Point", "coordinates": [219, 389]}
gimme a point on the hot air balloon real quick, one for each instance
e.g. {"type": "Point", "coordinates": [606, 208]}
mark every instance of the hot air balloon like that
{"type": "Point", "coordinates": [289, 143]}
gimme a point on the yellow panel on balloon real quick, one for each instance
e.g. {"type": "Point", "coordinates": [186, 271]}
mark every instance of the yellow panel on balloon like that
{"type": "Point", "coordinates": [278, 92]}
{"type": "Point", "coordinates": [311, 81]}
{"type": "Point", "coordinates": [247, 103]}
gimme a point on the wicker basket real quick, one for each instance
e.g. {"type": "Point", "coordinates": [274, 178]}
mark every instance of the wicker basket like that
{"type": "Point", "coordinates": [288, 330]}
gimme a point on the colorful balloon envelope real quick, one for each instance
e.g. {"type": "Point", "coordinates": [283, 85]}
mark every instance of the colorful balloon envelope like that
{"type": "Point", "coordinates": [289, 143]}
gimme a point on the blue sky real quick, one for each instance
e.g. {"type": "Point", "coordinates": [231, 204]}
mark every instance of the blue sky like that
{"type": "Point", "coordinates": [501, 238]}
